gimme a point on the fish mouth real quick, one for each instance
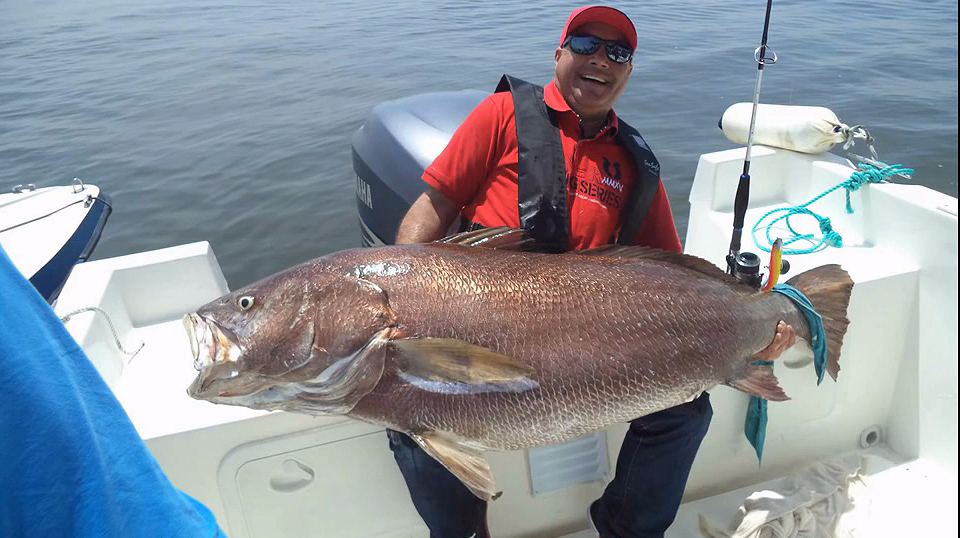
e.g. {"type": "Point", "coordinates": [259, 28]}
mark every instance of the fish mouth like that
{"type": "Point", "coordinates": [210, 342]}
{"type": "Point", "coordinates": [217, 359]}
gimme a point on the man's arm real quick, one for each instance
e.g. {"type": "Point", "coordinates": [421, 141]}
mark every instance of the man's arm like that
{"type": "Point", "coordinates": [428, 219]}
{"type": "Point", "coordinates": [455, 175]}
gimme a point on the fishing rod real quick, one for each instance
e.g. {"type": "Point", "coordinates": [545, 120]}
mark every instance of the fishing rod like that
{"type": "Point", "coordinates": [746, 266]}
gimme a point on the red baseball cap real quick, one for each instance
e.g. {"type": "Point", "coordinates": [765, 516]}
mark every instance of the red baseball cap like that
{"type": "Point", "coordinates": [604, 14]}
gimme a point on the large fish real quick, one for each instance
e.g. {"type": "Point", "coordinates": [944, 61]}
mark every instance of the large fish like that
{"type": "Point", "coordinates": [469, 344]}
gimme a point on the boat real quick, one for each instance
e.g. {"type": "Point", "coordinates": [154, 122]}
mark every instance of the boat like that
{"type": "Point", "coordinates": [47, 231]}
{"type": "Point", "coordinates": [892, 412]}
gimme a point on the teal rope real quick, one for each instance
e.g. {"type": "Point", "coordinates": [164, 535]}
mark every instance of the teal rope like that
{"type": "Point", "coordinates": [755, 425]}
{"type": "Point", "coordinates": [865, 174]}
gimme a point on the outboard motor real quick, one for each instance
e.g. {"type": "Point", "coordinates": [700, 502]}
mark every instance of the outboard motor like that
{"type": "Point", "coordinates": [392, 148]}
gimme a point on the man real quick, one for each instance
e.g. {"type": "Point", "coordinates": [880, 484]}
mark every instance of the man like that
{"type": "Point", "coordinates": [559, 163]}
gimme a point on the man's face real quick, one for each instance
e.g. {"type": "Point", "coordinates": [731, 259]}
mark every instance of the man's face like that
{"type": "Point", "coordinates": [590, 98]}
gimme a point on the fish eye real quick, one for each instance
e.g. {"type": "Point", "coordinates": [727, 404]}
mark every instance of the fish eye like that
{"type": "Point", "coordinates": [245, 302]}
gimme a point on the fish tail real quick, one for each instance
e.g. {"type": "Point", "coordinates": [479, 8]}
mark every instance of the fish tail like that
{"type": "Point", "coordinates": [828, 288]}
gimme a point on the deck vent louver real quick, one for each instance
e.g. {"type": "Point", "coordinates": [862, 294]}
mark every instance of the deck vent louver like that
{"type": "Point", "coordinates": [577, 461]}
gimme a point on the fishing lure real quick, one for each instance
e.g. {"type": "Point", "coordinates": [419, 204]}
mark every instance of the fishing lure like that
{"type": "Point", "coordinates": [776, 264]}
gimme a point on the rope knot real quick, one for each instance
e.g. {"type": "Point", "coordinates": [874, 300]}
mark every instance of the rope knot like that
{"type": "Point", "coordinates": [830, 237]}
{"type": "Point", "coordinates": [859, 179]}
{"type": "Point", "coordinates": [833, 239]}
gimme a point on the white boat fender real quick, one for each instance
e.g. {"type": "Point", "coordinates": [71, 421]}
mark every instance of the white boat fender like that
{"type": "Point", "coordinates": [806, 129]}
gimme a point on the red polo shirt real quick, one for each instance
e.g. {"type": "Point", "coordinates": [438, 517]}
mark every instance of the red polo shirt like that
{"type": "Point", "coordinates": [478, 172]}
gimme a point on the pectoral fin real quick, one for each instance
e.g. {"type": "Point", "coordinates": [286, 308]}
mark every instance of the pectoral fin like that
{"type": "Point", "coordinates": [465, 463]}
{"type": "Point", "coordinates": [452, 360]}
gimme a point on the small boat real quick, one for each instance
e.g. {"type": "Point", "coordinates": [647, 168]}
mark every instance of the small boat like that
{"type": "Point", "coordinates": [47, 231]}
{"type": "Point", "coordinates": [892, 412]}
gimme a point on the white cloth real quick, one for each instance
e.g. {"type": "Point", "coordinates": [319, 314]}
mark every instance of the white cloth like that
{"type": "Point", "coordinates": [827, 500]}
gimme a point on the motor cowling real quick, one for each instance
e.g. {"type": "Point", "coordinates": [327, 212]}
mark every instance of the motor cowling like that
{"type": "Point", "coordinates": [390, 151]}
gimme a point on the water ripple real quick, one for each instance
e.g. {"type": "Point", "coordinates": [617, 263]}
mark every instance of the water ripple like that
{"type": "Point", "coordinates": [231, 121]}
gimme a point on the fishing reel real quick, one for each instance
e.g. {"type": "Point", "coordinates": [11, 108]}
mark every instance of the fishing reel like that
{"type": "Point", "coordinates": [746, 268]}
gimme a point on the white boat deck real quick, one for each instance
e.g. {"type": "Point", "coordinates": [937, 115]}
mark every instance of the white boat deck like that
{"type": "Point", "coordinates": [281, 475]}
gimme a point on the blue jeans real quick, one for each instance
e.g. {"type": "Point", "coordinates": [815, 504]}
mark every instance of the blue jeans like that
{"type": "Point", "coordinates": [640, 502]}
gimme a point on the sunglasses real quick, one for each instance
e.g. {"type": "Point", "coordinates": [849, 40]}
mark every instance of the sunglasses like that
{"type": "Point", "coordinates": [588, 44]}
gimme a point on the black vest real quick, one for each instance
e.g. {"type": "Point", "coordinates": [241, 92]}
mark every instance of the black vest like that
{"type": "Point", "coordinates": [542, 181]}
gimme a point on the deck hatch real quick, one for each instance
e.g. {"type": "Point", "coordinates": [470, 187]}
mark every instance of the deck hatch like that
{"type": "Point", "coordinates": [577, 461]}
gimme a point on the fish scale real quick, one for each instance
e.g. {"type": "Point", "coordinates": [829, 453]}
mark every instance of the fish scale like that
{"type": "Point", "coordinates": [467, 348]}
{"type": "Point", "coordinates": [629, 337]}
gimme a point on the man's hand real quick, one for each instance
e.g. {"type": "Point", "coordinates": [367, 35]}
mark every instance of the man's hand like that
{"type": "Point", "coordinates": [783, 340]}
{"type": "Point", "coordinates": [428, 219]}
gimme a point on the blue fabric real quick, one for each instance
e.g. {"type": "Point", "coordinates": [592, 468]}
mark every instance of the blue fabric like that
{"type": "Point", "coordinates": [755, 425]}
{"type": "Point", "coordinates": [71, 462]}
{"type": "Point", "coordinates": [818, 335]}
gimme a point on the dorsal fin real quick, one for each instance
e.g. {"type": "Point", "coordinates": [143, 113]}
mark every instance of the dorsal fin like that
{"type": "Point", "coordinates": [506, 238]}
{"type": "Point", "coordinates": [503, 238]}
{"type": "Point", "coordinates": [695, 263]}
